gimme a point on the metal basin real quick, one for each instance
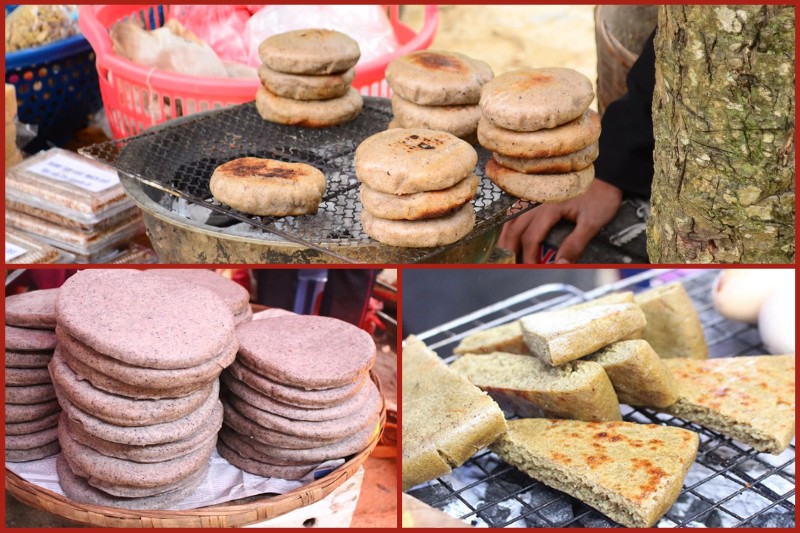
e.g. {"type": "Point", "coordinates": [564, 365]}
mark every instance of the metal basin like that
{"type": "Point", "coordinates": [178, 239]}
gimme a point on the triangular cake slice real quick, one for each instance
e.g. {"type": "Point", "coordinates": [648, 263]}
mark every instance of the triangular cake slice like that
{"type": "Point", "coordinates": [748, 398]}
{"type": "Point", "coordinates": [446, 419]}
{"type": "Point", "coordinates": [632, 473]}
{"type": "Point", "coordinates": [577, 390]}
{"type": "Point", "coordinates": [508, 337]}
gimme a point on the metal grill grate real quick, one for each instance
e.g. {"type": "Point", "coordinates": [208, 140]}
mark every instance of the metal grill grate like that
{"type": "Point", "coordinates": [729, 485]}
{"type": "Point", "coordinates": [180, 157]}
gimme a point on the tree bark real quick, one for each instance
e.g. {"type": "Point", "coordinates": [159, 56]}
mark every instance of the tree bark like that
{"type": "Point", "coordinates": [723, 114]}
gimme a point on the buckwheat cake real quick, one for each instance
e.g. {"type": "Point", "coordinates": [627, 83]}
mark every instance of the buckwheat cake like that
{"type": "Point", "coordinates": [104, 471]}
{"type": "Point", "coordinates": [551, 165]}
{"type": "Point", "coordinates": [151, 435]}
{"type": "Point", "coordinates": [578, 390]}
{"type": "Point", "coordinates": [267, 187]}
{"type": "Point", "coordinates": [751, 399]}
{"type": "Point", "coordinates": [541, 188]}
{"type": "Point", "coordinates": [34, 309]}
{"type": "Point", "coordinates": [323, 452]}
{"type": "Point", "coordinates": [438, 78]}
{"type": "Point", "coordinates": [306, 86]}
{"type": "Point", "coordinates": [78, 489]}
{"type": "Point", "coordinates": [112, 385]}
{"type": "Point", "coordinates": [171, 380]}
{"type": "Point", "coordinates": [439, 231]}
{"type": "Point", "coordinates": [309, 51]}
{"type": "Point", "coordinates": [86, 312]}
{"type": "Point", "coordinates": [673, 327]}
{"type": "Point", "coordinates": [243, 458]}
{"type": "Point", "coordinates": [147, 454]}
{"type": "Point", "coordinates": [421, 205]}
{"type": "Point", "coordinates": [32, 426]}
{"type": "Point", "coordinates": [639, 376]}
{"type": "Point", "coordinates": [508, 337]}
{"type": "Point", "coordinates": [311, 352]}
{"type": "Point", "coordinates": [25, 339]}
{"type": "Point", "coordinates": [295, 395]}
{"type": "Point", "coordinates": [559, 141]}
{"type": "Point", "coordinates": [244, 426]}
{"type": "Point", "coordinates": [459, 120]}
{"type": "Point", "coordinates": [309, 113]}
{"type": "Point", "coordinates": [234, 295]}
{"type": "Point", "coordinates": [407, 161]}
{"type": "Point", "coordinates": [121, 410]}
{"type": "Point", "coordinates": [28, 359]}
{"type": "Point", "coordinates": [446, 419]}
{"type": "Point", "coordinates": [324, 429]}
{"type": "Point", "coordinates": [263, 402]}
{"type": "Point", "coordinates": [26, 413]}
{"type": "Point", "coordinates": [26, 376]}
{"type": "Point", "coordinates": [535, 99]}
{"type": "Point", "coordinates": [632, 473]}
{"type": "Point", "coordinates": [568, 334]}
{"type": "Point", "coordinates": [30, 395]}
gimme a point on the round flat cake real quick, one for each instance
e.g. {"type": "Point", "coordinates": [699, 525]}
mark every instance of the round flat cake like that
{"type": "Point", "coordinates": [35, 309]}
{"type": "Point", "coordinates": [311, 352]}
{"type": "Point", "coordinates": [144, 320]}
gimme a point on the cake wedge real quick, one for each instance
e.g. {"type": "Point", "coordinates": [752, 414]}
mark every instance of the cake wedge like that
{"type": "Point", "coordinates": [632, 473]}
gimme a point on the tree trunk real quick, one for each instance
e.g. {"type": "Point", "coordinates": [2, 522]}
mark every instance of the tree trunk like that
{"type": "Point", "coordinates": [723, 114]}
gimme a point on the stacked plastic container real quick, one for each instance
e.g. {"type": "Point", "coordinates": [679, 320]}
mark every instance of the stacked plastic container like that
{"type": "Point", "coordinates": [73, 204]}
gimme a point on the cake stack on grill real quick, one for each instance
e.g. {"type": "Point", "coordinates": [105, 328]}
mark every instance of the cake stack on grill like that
{"type": "Point", "coordinates": [136, 373]}
{"type": "Point", "coordinates": [438, 91]}
{"type": "Point", "coordinates": [542, 132]}
{"type": "Point", "coordinates": [31, 407]}
{"type": "Point", "coordinates": [306, 78]}
{"type": "Point", "coordinates": [417, 187]}
{"type": "Point", "coordinates": [298, 394]}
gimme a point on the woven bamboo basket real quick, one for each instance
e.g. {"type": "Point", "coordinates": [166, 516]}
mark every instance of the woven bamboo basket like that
{"type": "Point", "coordinates": [230, 514]}
{"type": "Point", "coordinates": [620, 33]}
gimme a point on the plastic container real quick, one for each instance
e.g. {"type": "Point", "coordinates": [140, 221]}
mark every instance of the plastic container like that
{"type": "Point", "coordinates": [57, 87]}
{"type": "Point", "coordinates": [88, 247]}
{"type": "Point", "coordinates": [40, 187]}
{"type": "Point", "coordinates": [22, 249]}
{"type": "Point", "coordinates": [137, 97]}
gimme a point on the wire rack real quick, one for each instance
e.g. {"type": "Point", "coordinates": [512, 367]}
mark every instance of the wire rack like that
{"type": "Point", "coordinates": [180, 157]}
{"type": "Point", "coordinates": [729, 485]}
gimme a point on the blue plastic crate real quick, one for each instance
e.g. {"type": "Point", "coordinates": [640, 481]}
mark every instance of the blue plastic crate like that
{"type": "Point", "coordinates": [56, 86]}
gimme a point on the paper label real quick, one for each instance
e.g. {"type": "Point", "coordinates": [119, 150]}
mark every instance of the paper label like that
{"type": "Point", "coordinates": [84, 175]}
{"type": "Point", "coordinates": [13, 251]}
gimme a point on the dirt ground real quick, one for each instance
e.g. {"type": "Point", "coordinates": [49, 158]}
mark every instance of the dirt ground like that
{"type": "Point", "coordinates": [513, 37]}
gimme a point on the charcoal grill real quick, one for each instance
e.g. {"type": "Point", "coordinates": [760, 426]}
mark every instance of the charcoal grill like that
{"type": "Point", "coordinates": [176, 160]}
{"type": "Point", "coordinates": [729, 485]}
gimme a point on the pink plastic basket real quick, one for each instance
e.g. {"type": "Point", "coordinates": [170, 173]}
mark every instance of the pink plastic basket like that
{"type": "Point", "coordinates": [136, 97]}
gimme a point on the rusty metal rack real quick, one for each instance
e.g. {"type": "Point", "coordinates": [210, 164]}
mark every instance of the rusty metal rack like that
{"type": "Point", "coordinates": [729, 485]}
{"type": "Point", "coordinates": [180, 156]}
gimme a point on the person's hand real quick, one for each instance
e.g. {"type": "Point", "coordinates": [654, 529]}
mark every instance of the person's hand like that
{"type": "Point", "coordinates": [589, 212]}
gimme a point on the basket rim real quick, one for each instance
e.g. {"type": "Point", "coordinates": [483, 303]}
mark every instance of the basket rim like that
{"type": "Point", "coordinates": [48, 53]}
{"type": "Point", "coordinates": [97, 35]}
{"type": "Point", "coordinates": [627, 56]}
{"type": "Point", "coordinates": [47, 500]}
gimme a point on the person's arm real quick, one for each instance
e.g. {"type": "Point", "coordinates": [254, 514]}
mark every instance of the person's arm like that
{"type": "Point", "coordinates": [624, 166]}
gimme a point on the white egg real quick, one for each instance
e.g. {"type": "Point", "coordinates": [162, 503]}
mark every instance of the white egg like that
{"type": "Point", "coordinates": [739, 293]}
{"type": "Point", "coordinates": [776, 322]}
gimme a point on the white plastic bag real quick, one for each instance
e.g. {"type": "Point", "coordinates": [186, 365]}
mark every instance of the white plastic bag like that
{"type": "Point", "coordinates": [368, 25]}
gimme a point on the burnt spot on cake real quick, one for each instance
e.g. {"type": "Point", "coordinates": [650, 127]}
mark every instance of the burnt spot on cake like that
{"type": "Point", "coordinates": [434, 61]}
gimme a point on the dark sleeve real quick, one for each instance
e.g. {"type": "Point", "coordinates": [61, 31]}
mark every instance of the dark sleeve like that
{"type": "Point", "coordinates": [626, 142]}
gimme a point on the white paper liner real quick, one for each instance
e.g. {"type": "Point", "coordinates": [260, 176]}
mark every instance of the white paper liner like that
{"type": "Point", "coordinates": [223, 483]}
